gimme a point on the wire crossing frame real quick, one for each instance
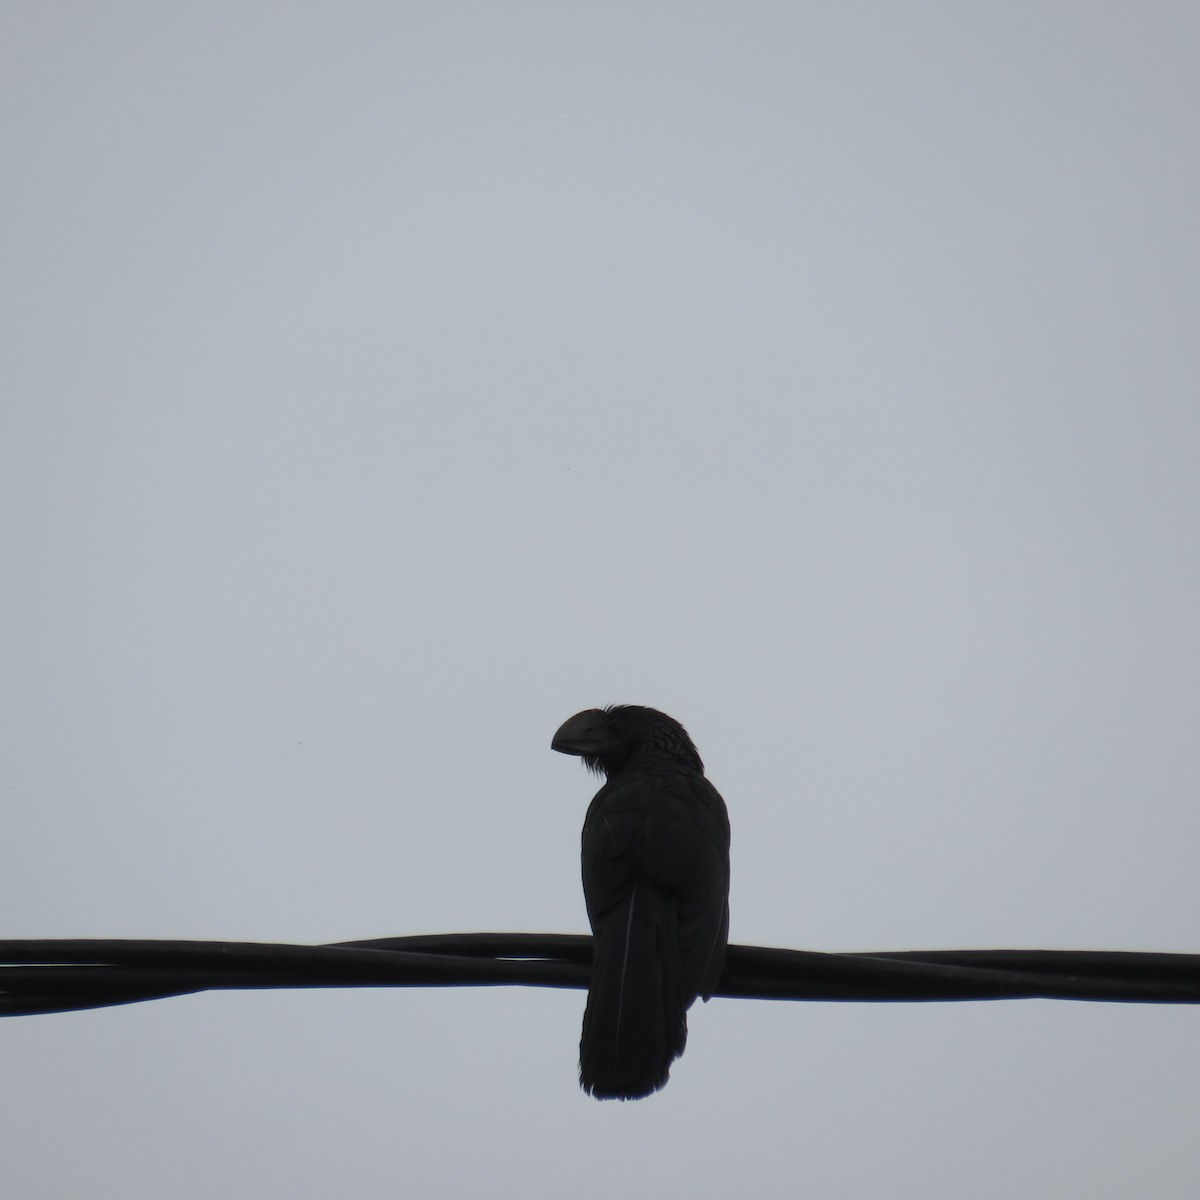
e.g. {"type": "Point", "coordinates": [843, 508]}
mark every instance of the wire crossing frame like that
{"type": "Point", "coordinates": [64, 975]}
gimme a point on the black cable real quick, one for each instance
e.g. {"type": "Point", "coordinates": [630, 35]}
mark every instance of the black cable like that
{"type": "Point", "coordinates": [44, 976]}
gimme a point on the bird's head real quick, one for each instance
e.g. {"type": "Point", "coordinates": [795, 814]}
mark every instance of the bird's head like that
{"type": "Point", "coordinates": [606, 738]}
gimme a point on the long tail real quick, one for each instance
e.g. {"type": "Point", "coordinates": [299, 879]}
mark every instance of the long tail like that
{"type": "Point", "coordinates": [635, 1023]}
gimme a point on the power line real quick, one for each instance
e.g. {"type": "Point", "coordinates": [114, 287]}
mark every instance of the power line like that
{"type": "Point", "coordinates": [63, 975]}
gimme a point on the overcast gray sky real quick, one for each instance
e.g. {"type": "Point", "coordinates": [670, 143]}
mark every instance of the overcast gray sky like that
{"type": "Point", "coordinates": [383, 383]}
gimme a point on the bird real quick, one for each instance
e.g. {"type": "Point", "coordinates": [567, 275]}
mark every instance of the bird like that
{"type": "Point", "coordinates": [655, 856]}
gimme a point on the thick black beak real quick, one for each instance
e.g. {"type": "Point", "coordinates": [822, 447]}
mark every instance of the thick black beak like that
{"type": "Point", "coordinates": [583, 735]}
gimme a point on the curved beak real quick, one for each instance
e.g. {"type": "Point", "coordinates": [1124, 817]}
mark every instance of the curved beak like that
{"type": "Point", "coordinates": [582, 735]}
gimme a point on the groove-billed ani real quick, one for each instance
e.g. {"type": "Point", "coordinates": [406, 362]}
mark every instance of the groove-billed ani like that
{"type": "Point", "coordinates": [656, 882]}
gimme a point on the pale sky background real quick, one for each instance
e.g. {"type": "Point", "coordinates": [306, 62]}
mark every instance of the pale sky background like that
{"type": "Point", "coordinates": [382, 383]}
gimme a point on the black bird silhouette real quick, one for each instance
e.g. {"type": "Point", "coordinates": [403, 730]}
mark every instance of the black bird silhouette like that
{"type": "Point", "coordinates": [656, 883]}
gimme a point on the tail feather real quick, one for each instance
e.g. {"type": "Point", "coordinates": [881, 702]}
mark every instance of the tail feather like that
{"type": "Point", "coordinates": [635, 1023]}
